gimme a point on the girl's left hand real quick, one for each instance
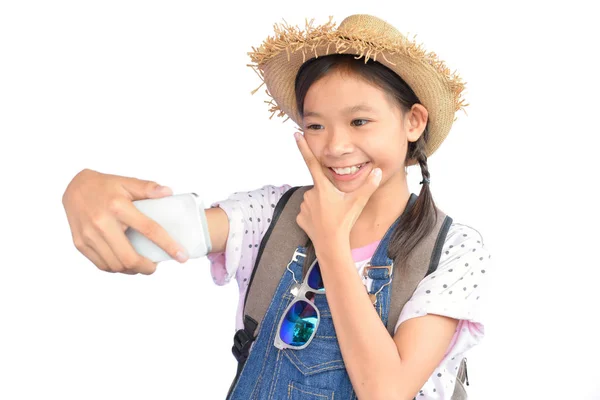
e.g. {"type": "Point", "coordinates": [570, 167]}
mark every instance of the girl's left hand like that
{"type": "Point", "coordinates": [327, 214]}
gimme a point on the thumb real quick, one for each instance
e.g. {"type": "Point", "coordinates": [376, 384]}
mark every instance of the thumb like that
{"type": "Point", "coordinates": [140, 189]}
{"type": "Point", "coordinates": [369, 187]}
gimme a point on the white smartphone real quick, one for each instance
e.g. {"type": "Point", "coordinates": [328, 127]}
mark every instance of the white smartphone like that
{"type": "Point", "coordinates": [184, 219]}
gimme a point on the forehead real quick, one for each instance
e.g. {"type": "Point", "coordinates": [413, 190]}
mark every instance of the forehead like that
{"type": "Point", "coordinates": [345, 89]}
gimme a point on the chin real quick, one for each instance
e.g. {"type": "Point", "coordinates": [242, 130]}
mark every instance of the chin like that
{"type": "Point", "coordinates": [349, 186]}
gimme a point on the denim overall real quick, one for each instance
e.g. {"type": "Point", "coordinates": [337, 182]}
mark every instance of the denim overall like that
{"type": "Point", "coordinates": [316, 372]}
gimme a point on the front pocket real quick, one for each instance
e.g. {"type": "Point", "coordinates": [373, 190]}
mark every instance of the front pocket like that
{"type": "Point", "coordinates": [297, 391]}
{"type": "Point", "coordinates": [323, 353]}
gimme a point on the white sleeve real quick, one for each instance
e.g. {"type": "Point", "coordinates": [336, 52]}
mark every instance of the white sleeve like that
{"type": "Point", "coordinates": [455, 288]}
{"type": "Point", "coordinates": [249, 215]}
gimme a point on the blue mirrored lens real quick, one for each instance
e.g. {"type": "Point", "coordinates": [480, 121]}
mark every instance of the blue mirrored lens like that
{"type": "Point", "coordinates": [299, 324]}
{"type": "Point", "coordinates": [315, 281]}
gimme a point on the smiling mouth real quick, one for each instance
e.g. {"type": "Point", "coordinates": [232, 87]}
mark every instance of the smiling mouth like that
{"type": "Point", "coordinates": [348, 170]}
{"type": "Point", "coordinates": [348, 173]}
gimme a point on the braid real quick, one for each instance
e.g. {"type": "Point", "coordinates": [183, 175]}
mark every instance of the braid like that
{"type": "Point", "coordinates": [421, 219]}
{"type": "Point", "coordinates": [421, 156]}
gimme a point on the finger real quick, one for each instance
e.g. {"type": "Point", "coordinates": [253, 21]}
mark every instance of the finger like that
{"type": "Point", "coordinates": [112, 262]}
{"type": "Point", "coordinates": [314, 166]}
{"type": "Point", "coordinates": [129, 272]}
{"type": "Point", "coordinates": [364, 193]}
{"type": "Point", "coordinates": [98, 252]}
{"type": "Point", "coordinates": [130, 260]}
{"type": "Point", "coordinates": [139, 189]}
{"type": "Point", "coordinates": [82, 242]}
{"type": "Point", "coordinates": [102, 265]}
{"type": "Point", "coordinates": [128, 214]}
{"type": "Point", "coordinates": [95, 258]}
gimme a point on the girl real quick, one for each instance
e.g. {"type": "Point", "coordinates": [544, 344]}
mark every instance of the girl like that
{"type": "Point", "coordinates": [369, 103]}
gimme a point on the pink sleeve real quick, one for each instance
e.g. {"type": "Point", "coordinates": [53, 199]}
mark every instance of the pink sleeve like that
{"type": "Point", "coordinates": [249, 215]}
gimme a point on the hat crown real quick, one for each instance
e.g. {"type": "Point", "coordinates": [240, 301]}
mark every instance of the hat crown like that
{"type": "Point", "coordinates": [375, 26]}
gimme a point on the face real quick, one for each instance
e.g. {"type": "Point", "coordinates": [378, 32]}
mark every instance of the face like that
{"type": "Point", "coordinates": [349, 123]}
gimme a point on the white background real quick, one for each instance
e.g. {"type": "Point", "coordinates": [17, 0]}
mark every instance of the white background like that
{"type": "Point", "coordinates": [161, 91]}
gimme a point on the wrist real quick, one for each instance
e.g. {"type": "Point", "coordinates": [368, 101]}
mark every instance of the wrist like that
{"type": "Point", "coordinates": [333, 249]}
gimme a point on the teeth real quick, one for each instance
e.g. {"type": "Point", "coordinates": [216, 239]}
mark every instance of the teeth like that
{"type": "Point", "coordinates": [347, 170]}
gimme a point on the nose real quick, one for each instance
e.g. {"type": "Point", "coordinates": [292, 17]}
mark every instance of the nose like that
{"type": "Point", "coordinates": [339, 142]}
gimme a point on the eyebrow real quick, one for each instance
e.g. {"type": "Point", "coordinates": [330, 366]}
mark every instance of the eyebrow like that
{"type": "Point", "coordinates": [347, 110]}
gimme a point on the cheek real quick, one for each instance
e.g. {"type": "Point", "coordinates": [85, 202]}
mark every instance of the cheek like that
{"type": "Point", "coordinates": [315, 146]}
{"type": "Point", "coordinates": [398, 145]}
{"type": "Point", "coordinates": [389, 148]}
{"type": "Point", "coordinates": [402, 149]}
{"type": "Point", "coordinates": [391, 156]}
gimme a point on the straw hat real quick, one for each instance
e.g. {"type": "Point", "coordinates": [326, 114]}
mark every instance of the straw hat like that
{"type": "Point", "coordinates": [279, 58]}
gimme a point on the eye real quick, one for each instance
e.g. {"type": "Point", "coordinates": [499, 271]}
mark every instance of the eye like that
{"type": "Point", "coordinates": [314, 126]}
{"type": "Point", "coordinates": [359, 122]}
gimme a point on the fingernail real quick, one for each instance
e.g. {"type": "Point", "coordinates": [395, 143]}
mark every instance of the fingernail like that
{"type": "Point", "coordinates": [181, 256]}
{"type": "Point", "coordinates": [376, 172]}
{"type": "Point", "coordinates": [161, 190]}
{"type": "Point", "coordinates": [297, 136]}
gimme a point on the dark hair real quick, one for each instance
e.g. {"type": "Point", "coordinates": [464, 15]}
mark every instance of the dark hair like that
{"type": "Point", "coordinates": [420, 220]}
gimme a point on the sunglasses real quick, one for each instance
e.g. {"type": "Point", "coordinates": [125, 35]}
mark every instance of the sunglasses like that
{"type": "Point", "coordinates": [300, 320]}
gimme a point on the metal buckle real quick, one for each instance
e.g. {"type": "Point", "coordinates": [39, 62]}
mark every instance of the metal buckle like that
{"type": "Point", "coordinates": [368, 267]}
{"type": "Point", "coordinates": [296, 254]}
{"type": "Point", "coordinates": [295, 258]}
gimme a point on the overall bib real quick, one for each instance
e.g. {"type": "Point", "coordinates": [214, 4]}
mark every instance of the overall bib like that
{"type": "Point", "coordinates": [316, 372]}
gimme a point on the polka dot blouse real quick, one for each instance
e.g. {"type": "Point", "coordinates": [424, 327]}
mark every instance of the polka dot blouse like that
{"type": "Point", "coordinates": [453, 290]}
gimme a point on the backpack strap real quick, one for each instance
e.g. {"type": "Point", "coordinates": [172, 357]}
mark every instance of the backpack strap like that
{"type": "Point", "coordinates": [422, 261]}
{"type": "Point", "coordinates": [280, 240]}
{"type": "Point", "coordinates": [277, 245]}
{"type": "Point", "coordinates": [267, 270]}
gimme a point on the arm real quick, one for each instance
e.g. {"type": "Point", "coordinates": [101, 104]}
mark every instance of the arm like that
{"type": "Point", "coordinates": [99, 208]}
{"type": "Point", "coordinates": [380, 367]}
{"type": "Point", "coordinates": [248, 216]}
{"type": "Point", "coordinates": [218, 228]}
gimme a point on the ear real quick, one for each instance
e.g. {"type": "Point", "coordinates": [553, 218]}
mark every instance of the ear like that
{"type": "Point", "coordinates": [415, 122]}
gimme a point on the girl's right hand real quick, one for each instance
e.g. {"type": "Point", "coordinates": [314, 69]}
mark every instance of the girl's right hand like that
{"type": "Point", "coordinates": [100, 208]}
